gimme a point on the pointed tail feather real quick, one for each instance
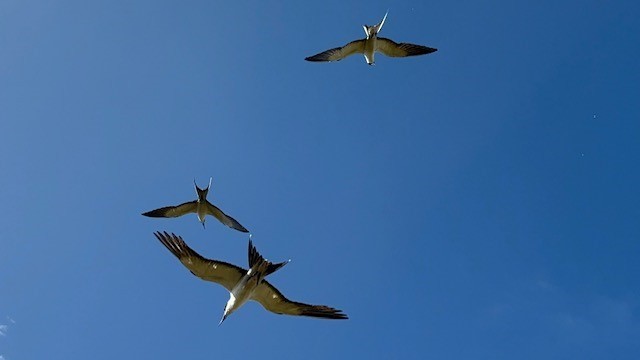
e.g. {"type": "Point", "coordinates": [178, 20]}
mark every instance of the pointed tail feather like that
{"type": "Point", "coordinates": [273, 267]}
{"type": "Point", "coordinates": [255, 258]}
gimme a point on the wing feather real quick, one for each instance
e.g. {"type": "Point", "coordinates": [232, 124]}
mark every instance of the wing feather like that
{"type": "Point", "coordinates": [173, 211]}
{"type": "Point", "coordinates": [220, 272]}
{"type": "Point", "coordinates": [224, 218]}
{"type": "Point", "coordinates": [339, 53]}
{"type": "Point", "coordinates": [393, 49]}
{"type": "Point", "coordinates": [273, 300]}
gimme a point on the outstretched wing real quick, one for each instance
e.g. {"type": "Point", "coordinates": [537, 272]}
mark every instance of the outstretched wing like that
{"type": "Point", "coordinates": [272, 300]}
{"type": "Point", "coordinates": [173, 211]}
{"type": "Point", "coordinates": [339, 53]}
{"type": "Point", "coordinates": [224, 218]}
{"type": "Point", "coordinates": [393, 49]}
{"type": "Point", "coordinates": [219, 272]}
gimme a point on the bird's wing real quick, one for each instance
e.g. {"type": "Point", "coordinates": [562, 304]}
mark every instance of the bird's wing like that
{"type": "Point", "coordinates": [219, 272]}
{"type": "Point", "coordinates": [339, 53]}
{"type": "Point", "coordinates": [173, 211]}
{"type": "Point", "coordinates": [224, 218]}
{"type": "Point", "coordinates": [269, 297]}
{"type": "Point", "coordinates": [393, 49]}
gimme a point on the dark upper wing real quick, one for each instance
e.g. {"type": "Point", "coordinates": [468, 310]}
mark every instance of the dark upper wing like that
{"type": "Point", "coordinates": [274, 301]}
{"type": "Point", "coordinates": [173, 211]}
{"type": "Point", "coordinates": [339, 53]}
{"type": "Point", "coordinates": [224, 218]}
{"type": "Point", "coordinates": [219, 272]}
{"type": "Point", "coordinates": [393, 49]}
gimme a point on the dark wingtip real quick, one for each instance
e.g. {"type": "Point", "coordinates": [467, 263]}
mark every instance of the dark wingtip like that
{"type": "Point", "coordinates": [173, 243]}
{"type": "Point", "coordinates": [426, 50]}
{"type": "Point", "coordinates": [325, 312]}
{"type": "Point", "coordinates": [414, 50]}
{"type": "Point", "coordinates": [316, 58]}
{"type": "Point", "coordinates": [341, 316]}
{"type": "Point", "coordinates": [235, 225]}
{"type": "Point", "coordinates": [164, 239]}
{"type": "Point", "coordinates": [164, 236]}
{"type": "Point", "coordinates": [423, 51]}
{"type": "Point", "coordinates": [152, 213]}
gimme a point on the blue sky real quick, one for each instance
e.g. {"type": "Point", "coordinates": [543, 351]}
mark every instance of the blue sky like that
{"type": "Point", "coordinates": [479, 202]}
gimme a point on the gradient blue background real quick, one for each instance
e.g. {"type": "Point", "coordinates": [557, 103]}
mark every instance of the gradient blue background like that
{"type": "Point", "coordinates": [480, 202]}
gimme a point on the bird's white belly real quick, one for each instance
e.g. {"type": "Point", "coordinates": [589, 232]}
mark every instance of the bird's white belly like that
{"type": "Point", "coordinates": [243, 290]}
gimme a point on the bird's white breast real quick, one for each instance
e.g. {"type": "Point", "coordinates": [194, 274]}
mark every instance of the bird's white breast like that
{"type": "Point", "coordinates": [243, 290]}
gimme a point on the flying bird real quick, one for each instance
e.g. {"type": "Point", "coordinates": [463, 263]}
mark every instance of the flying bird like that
{"type": "Point", "coordinates": [370, 45]}
{"type": "Point", "coordinates": [201, 206]}
{"type": "Point", "coordinates": [242, 284]}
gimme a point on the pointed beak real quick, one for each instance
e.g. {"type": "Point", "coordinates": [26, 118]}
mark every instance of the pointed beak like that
{"type": "Point", "coordinates": [222, 320]}
{"type": "Point", "coordinates": [203, 225]}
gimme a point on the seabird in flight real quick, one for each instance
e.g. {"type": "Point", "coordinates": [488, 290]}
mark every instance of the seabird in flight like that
{"type": "Point", "coordinates": [369, 45]}
{"type": "Point", "coordinates": [202, 207]}
{"type": "Point", "coordinates": [242, 284]}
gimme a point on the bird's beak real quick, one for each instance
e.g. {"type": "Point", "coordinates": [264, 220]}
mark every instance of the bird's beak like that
{"type": "Point", "coordinates": [203, 225]}
{"type": "Point", "coordinates": [223, 318]}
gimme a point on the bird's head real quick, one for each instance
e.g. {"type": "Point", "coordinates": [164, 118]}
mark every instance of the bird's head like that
{"type": "Point", "coordinates": [228, 309]}
{"type": "Point", "coordinates": [224, 317]}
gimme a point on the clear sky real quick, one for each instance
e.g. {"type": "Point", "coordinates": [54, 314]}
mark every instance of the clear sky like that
{"type": "Point", "coordinates": [480, 202]}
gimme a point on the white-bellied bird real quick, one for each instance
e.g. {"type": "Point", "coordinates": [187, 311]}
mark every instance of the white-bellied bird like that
{"type": "Point", "coordinates": [370, 45]}
{"type": "Point", "coordinates": [242, 284]}
{"type": "Point", "coordinates": [202, 207]}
